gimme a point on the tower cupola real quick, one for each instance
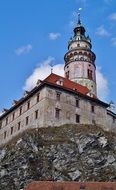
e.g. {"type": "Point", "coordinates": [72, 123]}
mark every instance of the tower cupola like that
{"type": "Point", "coordinates": [80, 59]}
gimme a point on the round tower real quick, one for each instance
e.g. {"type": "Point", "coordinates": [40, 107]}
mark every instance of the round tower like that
{"type": "Point", "coordinates": [80, 60]}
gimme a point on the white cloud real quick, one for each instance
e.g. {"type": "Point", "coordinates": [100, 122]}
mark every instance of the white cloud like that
{"type": "Point", "coordinates": [42, 71]}
{"type": "Point", "coordinates": [113, 16]}
{"type": "Point", "coordinates": [113, 41]}
{"type": "Point", "coordinates": [23, 50]}
{"type": "Point", "coordinates": [54, 36]}
{"type": "Point", "coordinates": [101, 31]}
{"type": "Point", "coordinates": [102, 85]}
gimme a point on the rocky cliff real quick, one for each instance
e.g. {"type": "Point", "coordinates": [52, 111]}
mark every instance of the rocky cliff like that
{"type": "Point", "coordinates": [70, 152]}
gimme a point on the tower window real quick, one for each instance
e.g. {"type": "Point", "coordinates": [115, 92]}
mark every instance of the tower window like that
{"type": "Point", "coordinates": [114, 119]}
{"type": "Point", "coordinates": [77, 118]}
{"type": "Point", "coordinates": [90, 73]}
{"type": "Point", "coordinates": [67, 74]}
{"type": "Point", "coordinates": [57, 113]}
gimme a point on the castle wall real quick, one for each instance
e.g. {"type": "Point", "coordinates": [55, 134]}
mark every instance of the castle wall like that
{"type": "Point", "coordinates": [54, 108]}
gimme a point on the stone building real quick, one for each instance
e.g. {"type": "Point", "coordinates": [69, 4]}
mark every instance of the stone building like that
{"type": "Point", "coordinates": [61, 100]}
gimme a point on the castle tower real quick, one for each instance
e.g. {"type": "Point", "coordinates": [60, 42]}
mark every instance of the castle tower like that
{"type": "Point", "coordinates": [80, 60]}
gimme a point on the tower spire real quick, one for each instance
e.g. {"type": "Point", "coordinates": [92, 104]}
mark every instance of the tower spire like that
{"type": "Point", "coordinates": [79, 20]}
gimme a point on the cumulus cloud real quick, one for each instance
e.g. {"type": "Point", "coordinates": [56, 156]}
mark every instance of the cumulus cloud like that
{"type": "Point", "coordinates": [42, 71]}
{"type": "Point", "coordinates": [113, 41]}
{"type": "Point", "coordinates": [101, 31]}
{"type": "Point", "coordinates": [102, 85]}
{"type": "Point", "coordinates": [23, 50]}
{"type": "Point", "coordinates": [113, 16]}
{"type": "Point", "coordinates": [54, 36]}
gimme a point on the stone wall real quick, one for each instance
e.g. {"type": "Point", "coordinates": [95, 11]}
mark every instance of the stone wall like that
{"type": "Point", "coordinates": [54, 108]}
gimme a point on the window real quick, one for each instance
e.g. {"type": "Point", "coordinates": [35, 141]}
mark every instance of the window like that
{"type": "Point", "coordinates": [58, 96]}
{"type": "Point", "coordinates": [67, 74]}
{"type": "Point", "coordinates": [11, 130]}
{"type": "Point", "coordinates": [28, 104]}
{"type": "Point", "coordinates": [36, 114]}
{"type": "Point", "coordinates": [90, 74]}
{"type": "Point", "coordinates": [38, 96]}
{"type": "Point", "coordinates": [77, 103]}
{"type": "Point", "coordinates": [92, 108]}
{"type": "Point", "coordinates": [114, 119]}
{"type": "Point", "coordinates": [5, 133]}
{"type": "Point", "coordinates": [19, 125]}
{"type": "Point", "coordinates": [82, 187]}
{"type": "Point", "coordinates": [20, 110]}
{"type": "Point", "coordinates": [57, 113]}
{"type": "Point", "coordinates": [13, 116]}
{"type": "Point", "coordinates": [0, 124]}
{"type": "Point", "coordinates": [27, 120]}
{"type": "Point", "coordinates": [77, 118]}
{"type": "Point", "coordinates": [6, 120]}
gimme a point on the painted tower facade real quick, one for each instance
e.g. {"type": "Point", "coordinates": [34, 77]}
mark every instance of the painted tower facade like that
{"type": "Point", "coordinates": [80, 60]}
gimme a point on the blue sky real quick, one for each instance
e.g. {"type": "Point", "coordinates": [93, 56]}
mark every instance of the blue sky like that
{"type": "Point", "coordinates": [35, 33]}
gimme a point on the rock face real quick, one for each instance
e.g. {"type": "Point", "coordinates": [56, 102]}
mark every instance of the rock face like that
{"type": "Point", "coordinates": [65, 153]}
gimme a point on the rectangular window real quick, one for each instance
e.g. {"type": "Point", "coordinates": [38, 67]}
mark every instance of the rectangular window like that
{"type": "Point", "coordinates": [19, 125]}
{"type": "Point", "coordinates": [11, 130]}
{"type": "Point", "coordinates": [28, 105]}
{"type": "Point", "coordinates": [0, 124]}
{"type": "Point", "coordinates": [38, 96]}
{"type": "Point", "coordinates": [90, 74]}
{"type": "Point", "coordinates": [27, 120]}
{"type": "Point", "coordinates": [57, 113]}
{"type": "Point", "coordinates": [20, 110]}
{"type": "Point", "coordinates": [67, 74]}
{"type": "Point", "coordinates": [36, 114]}
{"type": "Point", "coordinates": [77, 103]}
{"type": "Point", "coordinates": [6, 120]}
{"type": "Point", "coordinates": [114, 119]}
{"type": "Point", "coordinates": [92, 109]}
{"type": "Point", "coordinates": [77, 118]}
{"type": "Point", "coordinates": [5, 133]}
{"type": "Point", "coordinates": [58, 96]}
{"type": "Point", "coordinates": [13, 116]}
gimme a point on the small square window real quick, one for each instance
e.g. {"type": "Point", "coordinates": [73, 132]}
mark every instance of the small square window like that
{"type": "Point", "coordinates": [0, 124]}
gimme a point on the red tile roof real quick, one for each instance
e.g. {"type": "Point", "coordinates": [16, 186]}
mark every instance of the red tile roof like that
{"type": "Point", "coordinates": [53, 78]}
{"type": "Point", "coordinates": [50, 185]}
